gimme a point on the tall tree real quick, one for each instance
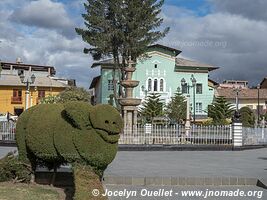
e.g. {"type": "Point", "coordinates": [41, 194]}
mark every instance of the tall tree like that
{"type": "Point", "coordinates": [121, 29]}
{"type": "Point", "coordinates": [220, 110]}
{"type": "Point", "coordinates": [151, 108]}
{"type": "Point", "coordinates": [176, 108]}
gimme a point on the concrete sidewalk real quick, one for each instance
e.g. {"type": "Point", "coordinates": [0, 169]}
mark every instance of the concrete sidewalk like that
{"type": "Point", "coordinates": [189, 168]}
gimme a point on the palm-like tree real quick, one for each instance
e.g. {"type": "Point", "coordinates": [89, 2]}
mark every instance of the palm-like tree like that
{"type": "Point", "coordinates": [220, 110]}
{"type": "Point", "coordinates": [151, 108]}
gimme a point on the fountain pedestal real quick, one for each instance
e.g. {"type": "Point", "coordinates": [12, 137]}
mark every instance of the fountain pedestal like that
{"type": "Point", "coordinates": [129, 104]}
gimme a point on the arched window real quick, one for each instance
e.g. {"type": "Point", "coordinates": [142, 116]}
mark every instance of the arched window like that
{"type": "Point", "coordinates": [161, 85]}
{"type": "Point", "coordinates": [155, 85]}
{"type": "Point", "coordinates": [149, 84]}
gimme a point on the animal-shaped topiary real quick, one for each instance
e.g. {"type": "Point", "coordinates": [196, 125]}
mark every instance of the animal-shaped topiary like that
{"type": "Point", "coordinates": [76, 132]}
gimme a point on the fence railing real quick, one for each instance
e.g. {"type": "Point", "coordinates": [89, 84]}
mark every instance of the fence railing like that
{"type": "Point", "coordinates": [169, 134]}
{"type": "Point", "coordinates": [176, 134]}
{"type": "Point", "coordinates": [7, 131]}
{"type": "Point", "coordinates": [254, 136]}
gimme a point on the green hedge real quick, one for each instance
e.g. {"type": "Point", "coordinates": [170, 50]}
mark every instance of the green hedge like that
{"type": "Point", "coordinates": [247, 117]}
{"type": "Point", "coordinates": [11, 169]}
{"type": "Point", "coordinates": [74, 132]}
{"type": "Point", "coordinates": [86, 181]}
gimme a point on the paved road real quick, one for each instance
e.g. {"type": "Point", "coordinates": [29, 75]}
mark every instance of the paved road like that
{"type": "Point", "coordinates": [259, 193]}
{"type": "Point", "coordinates": [5, 150]}
{"type": "Point", "coordinates": [247, 164]}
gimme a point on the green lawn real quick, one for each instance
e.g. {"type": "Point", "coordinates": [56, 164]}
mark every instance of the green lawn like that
{"type": "Point", "coordinates": [11, 191]}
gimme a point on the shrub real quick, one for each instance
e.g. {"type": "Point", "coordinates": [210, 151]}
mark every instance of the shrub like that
{"type": "Point", "coordinates": [11, 169]}
{"type": "Point", "coordinates": [74, 132]}
{"type": "Point", "coordinates": [85, 182]}
{"type": "Point", "coordinates": [247, 117]}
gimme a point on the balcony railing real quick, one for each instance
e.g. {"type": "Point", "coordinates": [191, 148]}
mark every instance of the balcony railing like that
{"type": "Point", "coordinates": [16, 100]}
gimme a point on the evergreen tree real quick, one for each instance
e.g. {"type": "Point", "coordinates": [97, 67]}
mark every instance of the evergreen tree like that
{"type": "Point", "coordinates": [247, 117]}
{"type": "Point", "coordinates": [121, 29]}
{"type": "Point", "coordinates": [69, 94]}
{"type": "Point", "coordinates": [220, 110]}
{"type": "Point", "coordinates": [151, 108]}
{"type": "Point", "coordinates": [176, 108]}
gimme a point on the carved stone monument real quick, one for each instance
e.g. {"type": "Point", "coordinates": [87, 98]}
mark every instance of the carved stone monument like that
{"type": "Point", "coordinates": [129, 104]}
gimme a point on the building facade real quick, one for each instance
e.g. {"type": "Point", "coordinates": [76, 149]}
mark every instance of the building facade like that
{"type": "Point", "coordinates": [255, 99]}
{"type": "Point", "coordinates": [13, 91]}
{"type": "Point", "coordinates": [161, 72]}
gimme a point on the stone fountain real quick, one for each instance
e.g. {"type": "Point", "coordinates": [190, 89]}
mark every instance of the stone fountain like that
{"type": "Point", "coordinates": [129, 104]}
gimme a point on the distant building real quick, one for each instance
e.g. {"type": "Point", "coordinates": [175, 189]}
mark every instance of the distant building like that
{"type": "Point", "coordinates": [263, 83]}
{"type": "Point", "coordinates": [12, 90]}
{"type": "Point", "coordinates": [246, 96]}
{"type": "Point", "coordinates": [160, 73]}
{"type": "Point", "coordinates": [234, 83]}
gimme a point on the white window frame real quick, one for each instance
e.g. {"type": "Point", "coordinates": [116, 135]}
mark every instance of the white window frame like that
{"type": "Point", "coordinates": [199, 107]}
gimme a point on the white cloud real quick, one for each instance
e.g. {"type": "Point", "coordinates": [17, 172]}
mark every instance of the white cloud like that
{"type": "Point", "coordinates": [42, 35]}
{"type": "Point", "coordinates": [45, 14]}
{"type": "Point", "coordinates": [235, 43]}
{"type": "Point", "coordinates": [255, 9]}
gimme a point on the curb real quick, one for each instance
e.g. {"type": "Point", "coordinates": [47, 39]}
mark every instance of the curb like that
{"type": "Point", "coordinates": [187, 147]}
{"type": "Point", "coordinates": [182, 181]}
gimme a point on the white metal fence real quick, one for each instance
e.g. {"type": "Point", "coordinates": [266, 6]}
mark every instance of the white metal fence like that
{"type": "Point", "coordinates": [254, 136]}
{"type": "Point", "coordinates": [170, 134]}
{"type": "Point", "coordinates": [7, 131]}
{"type": "Point", "coordinates": [177, 134]}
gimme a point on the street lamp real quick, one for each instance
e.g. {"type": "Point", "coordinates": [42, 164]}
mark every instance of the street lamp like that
{"type": "Point", "coordinates": [28, 83]}
{"type": "Point", "coordinates": [144, 90]}
{"type": "Point", "coordinates": [258, 108]}
{"type": "Point", "coordinates": [237, 90]}
{"type": "Point", "coordinates": [194, 82]}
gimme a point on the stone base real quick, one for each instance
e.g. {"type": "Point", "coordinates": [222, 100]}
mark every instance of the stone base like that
{"type": "Point", "coordinates": [130, 117]}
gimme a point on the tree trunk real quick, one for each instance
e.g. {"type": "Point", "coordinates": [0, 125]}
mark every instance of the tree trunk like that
{"type": "Point", "coordinates": [87, 184]}
{"type": "Point", "coordinates": [52, 182]}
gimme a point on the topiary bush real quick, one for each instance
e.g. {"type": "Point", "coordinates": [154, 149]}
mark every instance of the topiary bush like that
{"type": "Point", "coordinates": [74, 132]}
{"type": "Point", "coordinates": [85, 181]}
{"type": "Point", "coordinates": [11, 169]}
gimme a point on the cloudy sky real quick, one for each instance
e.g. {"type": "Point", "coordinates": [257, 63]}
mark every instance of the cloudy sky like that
{"type": "Point", "coordinates": [231, 34]}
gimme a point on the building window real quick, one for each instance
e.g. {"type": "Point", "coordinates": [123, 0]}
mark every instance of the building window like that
{"type": "Point", "coordinates": [20, 72]}
{"type": "Point", "coordinates": [17, 97]}
{"type": "Point", "coordinates": [161, 85]}
{"type": "Point", "coordinates": [155, 85]}
{"type": "Point", "coordinates": [184, 89]}
{"type": "Point", "coordinates": [199, 88]}
{"type": "Point", "coordinates": [110, 85]}
{"type": "Point", "coordinates": [156, 66]}
{"type": "Point", "coordinates": [17, 93]}
{"type": "Point", "coordinates": [149, 84]}
{"type": "Point", "coordinates": [198, 107]}
{"type": "Point", "coordinates": [41, 93]}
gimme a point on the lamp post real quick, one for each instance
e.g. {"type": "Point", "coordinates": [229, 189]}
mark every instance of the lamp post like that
{"type": "Point", "coordinates": [258, 108]}
{"type": "Point", "coordinates": [194, 82]}
{"type": "Point", "coordinates": [237, 90]}
{"type": "Point", "coordinates": [187, 121]}
{"type": "Point", "coordinates": [144, 90]}
{"type": "Point", "coordinates": [28, 83]}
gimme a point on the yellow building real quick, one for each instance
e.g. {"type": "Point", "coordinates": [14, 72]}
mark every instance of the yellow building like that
{"type": "Point", "coordinates": [14, 78]}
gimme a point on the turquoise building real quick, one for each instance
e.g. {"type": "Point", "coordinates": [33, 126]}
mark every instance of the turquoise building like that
{"type": "Point", "coordinates": [165, 73]}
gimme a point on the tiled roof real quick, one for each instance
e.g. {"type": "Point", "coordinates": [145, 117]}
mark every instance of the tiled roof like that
{"type": "Point", "coordinates": [245, 93]}
{"type": "Point", "coordinates": [103, 62]}
{"type": "Point", "coordinates": [181, 62]}
{"type": "Point", "coordinates": [94, 82]}
{"type": "Point", "coordinates": [14, 80]}
{"type": "Point", "coordinates": [176, 51]}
